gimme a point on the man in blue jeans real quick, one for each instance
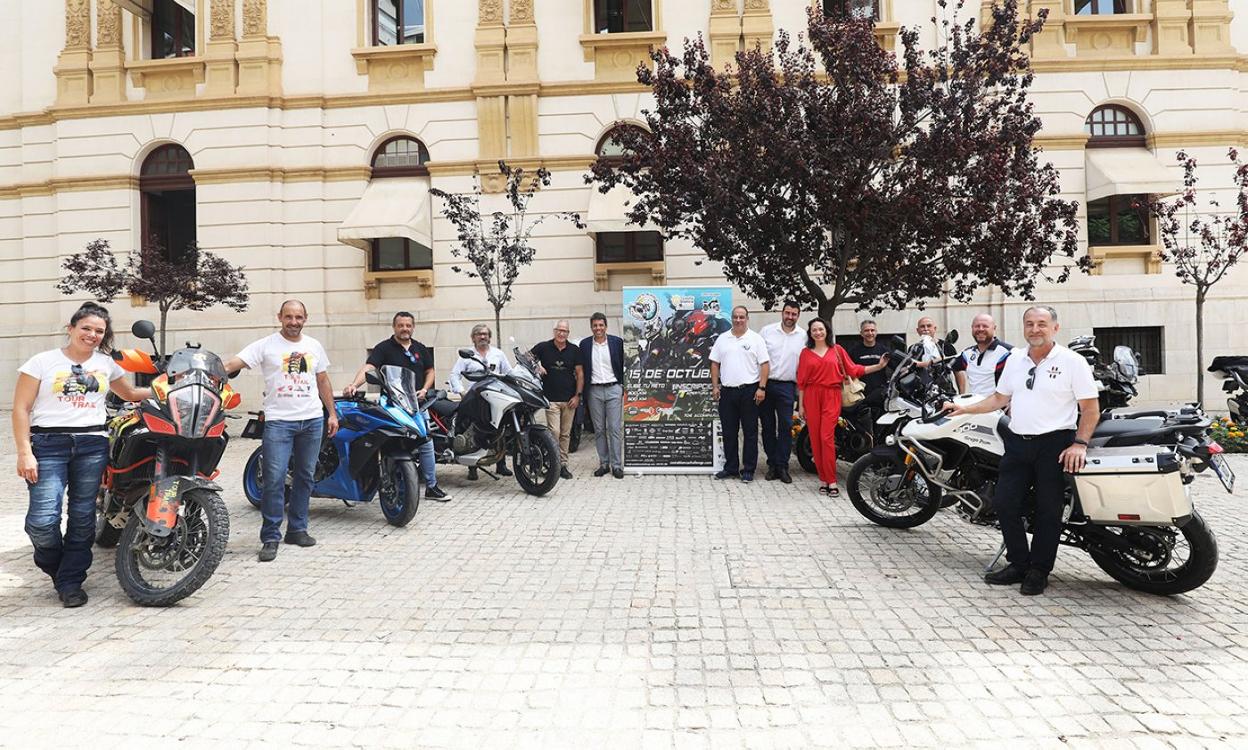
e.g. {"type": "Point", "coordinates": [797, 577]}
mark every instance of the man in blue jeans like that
{"type": "Point", "coordinates": [297, 392]}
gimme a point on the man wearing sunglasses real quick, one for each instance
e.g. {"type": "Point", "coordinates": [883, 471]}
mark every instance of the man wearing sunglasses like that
{"type": "Point", "coordinates": [1053, 410]}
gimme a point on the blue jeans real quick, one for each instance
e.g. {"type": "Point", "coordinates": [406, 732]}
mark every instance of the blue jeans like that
{"type": "Point", "coordinates": [294, 445]}
{"type": "Point", "coordinates": [776, 414]}
{"type": "Point", "coordinates": [65, 461]}
{"type": "Point", "coordinates": [428, 461]}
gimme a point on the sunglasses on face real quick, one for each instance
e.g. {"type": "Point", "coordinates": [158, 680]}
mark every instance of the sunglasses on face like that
{"type": "Point", "coordinates": [1031, 378]}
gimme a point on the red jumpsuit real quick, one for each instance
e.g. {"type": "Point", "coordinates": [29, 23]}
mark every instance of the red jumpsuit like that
{"type": "Point", "coordinates": [820, 379]}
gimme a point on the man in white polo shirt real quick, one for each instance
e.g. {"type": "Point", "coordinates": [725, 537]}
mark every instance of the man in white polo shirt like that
{"type": "Point", "coordinates": [739, 372]}
{"type": "Point", "coordinates": [979, 367]}
{"type": "Point", "coordinates": [785, 341]}
{"type": "Point", "coordinates": [1053, 411]}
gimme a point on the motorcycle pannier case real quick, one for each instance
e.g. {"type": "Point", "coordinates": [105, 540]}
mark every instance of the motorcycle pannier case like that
{"type": "Point", "coordinates": [1133, 485]}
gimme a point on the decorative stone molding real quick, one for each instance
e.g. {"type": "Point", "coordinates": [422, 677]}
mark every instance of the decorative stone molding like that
{"type": "Point", "coordinates": [1149, 254]}
{"type": "Point", "coordinates": [602, 272]}
{"type": "Point", "coordinates": [374, 279]}
{"type": "Point", "coordinates": [616, 56]}
{"type": "Point", "coordinates": [222, 26]}
{"type": "Point", "coordinates": [1179, 29]}
{"type": "Point", "coordinates": [107, 24]}
{"type": "Point", "coordinates": [72, 71]}
{"type": "Point", "coordinates": [1211, 27]}
{"type": "Point", "coordinates": [108, 69]}
{"type": "Point", "coordinates": [255, 18]}
{"type": "Point", "coordinates": [220, 56]}
{"type": "Point", "coordinates": [490, 13]}
{"type": "Point", "coordinates": [1107, 35]}
{"type": "Point", "coordinates": [259, 54]}
{"type": "Point", "coordinates": [175, 78]}
{"type": "Point", "coordinates": [521, 12]}
{"type": "Point", "coordinates": [77, 24]}
{"type": "Point", "coordinates": [756, 26]}
{"type": "Point", "coordinates": [724, 33]}
{"type": "Point", "coordinates": [397, 68]}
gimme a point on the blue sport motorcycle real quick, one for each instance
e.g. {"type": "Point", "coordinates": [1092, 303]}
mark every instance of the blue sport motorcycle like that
{"type": "Point", "coordinates": [373, 454]}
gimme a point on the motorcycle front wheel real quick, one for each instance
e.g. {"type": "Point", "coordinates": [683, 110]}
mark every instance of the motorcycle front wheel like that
{"type": "Point", "coordinates": [537, 469]}
{"type": "Point", "coordinates": [159, 571]}
{"type": "Point", "coordinates": [253, 478]}
{"type": "Point", "coordinates": [1162, 560]}
{"type": "Point", "coordinates": [399, 493]}
{"type": "Point", "coordinates": [805, 454]}
{"type": "Point", "coordinates": [887, 496]}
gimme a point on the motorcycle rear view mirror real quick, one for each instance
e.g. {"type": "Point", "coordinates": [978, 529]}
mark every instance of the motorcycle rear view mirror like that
{"type": "Point", "coordinates": [371, 378]}
{"type": "Point", "coordinates": [952, 338]}
{"type": "Point", "coordinates": [143, 329]}
{"type": "Point", "coordinates": [467, 354]}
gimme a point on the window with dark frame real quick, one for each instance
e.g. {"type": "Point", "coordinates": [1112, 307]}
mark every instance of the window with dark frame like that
{"type": "Point", "coordinates": [1148, 342]}
{"type": "Point", "coordinates": [399, 254]}
{"type": "Point", "coordinates": [628, 247]}
{"type": "Point", "coordinates": [167, 200]}
{"type": "Point", "coordinates": [398, 22]}
{"type": "Point", "coordinates": [852, 9]}
{"type": "Point", "coordinates": [1100, 7]}
{"type": "Point", "coordinates": [401, 156]}
{"type": "Point", "coordinates": [1119, 220]}
{"type": "Point", "coordinates": [620, 16]}
{"type": "Point", "coordinates": [1110, 125]}
{"type": "Point", "coordinates": [173, 30]}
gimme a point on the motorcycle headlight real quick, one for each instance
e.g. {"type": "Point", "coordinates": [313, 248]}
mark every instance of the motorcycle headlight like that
{"type": "Point", "coordinates": [193, 409]}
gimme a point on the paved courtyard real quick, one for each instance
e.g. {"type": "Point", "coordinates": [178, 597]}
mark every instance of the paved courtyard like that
{"type": "Point", "coordinates": [664, 612]}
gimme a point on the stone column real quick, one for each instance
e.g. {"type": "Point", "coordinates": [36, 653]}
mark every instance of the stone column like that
{"type": "Point", "coordinates": [491, 45]}
{"type": "Point", "coordinates": [108, 63]}
{"type": "Point", "coordinates": [1170, 27]}
{"type": "Point", "coordinates": [725, 32]}
{"type": "Point", "coordinates": [522, 69]}
{"type": "Point", "coordinates": [1050, 43]}
{"type": "Point", "coordinates": [259, 55]}
{"type": "Point", "coordinates": [756, 26]}
{"type": "Point", "coordinates": [221, 69]}
{"type": "Point", "coordinates": [73, 73]}
{"type": "Point", "coordinates": [1211, 27]}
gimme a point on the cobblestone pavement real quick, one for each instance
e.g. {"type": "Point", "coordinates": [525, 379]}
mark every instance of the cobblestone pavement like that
{"type": "Point", "coordinates": [665, 612]}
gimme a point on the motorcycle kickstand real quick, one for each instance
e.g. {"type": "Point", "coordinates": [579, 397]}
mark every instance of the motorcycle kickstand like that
{"type": "Point", "coordinates": [995, 558]}
{"type": "Point", "coordinates": [489, 473]}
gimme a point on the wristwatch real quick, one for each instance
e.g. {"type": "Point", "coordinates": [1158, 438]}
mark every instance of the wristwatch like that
{"type": "Point", "coordinates": [1081, 441]}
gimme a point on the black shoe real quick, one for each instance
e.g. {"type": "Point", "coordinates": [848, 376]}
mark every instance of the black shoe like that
{"type": "Point", "coordinates": [747, 476]}
{"type": "Point", "coordinates": [72, 597]}
{"type": "Point", "coordinates": [617, 472]}
{"type": "Point", "coordinates": [771, 474]}
{"type": "Point", "coordinates": [502, 470]}
{"type": "Point", "coordinates": [436, 493]}
{"type": "Point", "coordinates": [564, 473]}
{"type": "Point", "coordinates": [726, 474]}
{"type": "Point", "coordinates": [301, 538]}
{"type": "Point", "coordinates": [1034, 583]}
{"type": "Point", "coordinates": [602, 471]}
{"type": "Point", "coordinates": [268, 551]}
{"type": "Point", "coordinates": [1007, 576]}
{"type": "Point", "coordinates": [784, 476]}
{"type": "Point", "coordinates": [472, 473]}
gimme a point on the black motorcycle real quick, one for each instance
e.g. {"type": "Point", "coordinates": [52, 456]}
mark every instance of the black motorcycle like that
{"type": "Point", "coordinates": [1234, 370]}
{"type": "Point", "coordinates": [1115, 381]}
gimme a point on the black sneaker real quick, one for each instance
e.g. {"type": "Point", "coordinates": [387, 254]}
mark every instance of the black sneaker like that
{"type": "Point", "coordinates": [602, 471]}
{"type": "Point", "coordinates": [436, 493]}
{"type": "Point", "coordinates": [617, 472]}
{"type": "Point", "coordinates": [1007, 576]}
{"type": "Point", "coordinates": [771, 474]}
{"type": "Point", "coordinates": [1034, 583]}
{"type": "Point", "coordinates": [502, 470]}
{"type": "Point", "coordinates": [268, 551]}
{"type": "Point", "coordinates": [300, 538]}
{"type": "Point", "coordinates": [726, 474]}
{"type": "Point", "coordinates": [71, 598]}
{"type": "Point", "coordinates": [747, 476]}
{"type": "Point", "coordinates": [784, 476]}
{"type": "Point", "coordinates": [564, 473]}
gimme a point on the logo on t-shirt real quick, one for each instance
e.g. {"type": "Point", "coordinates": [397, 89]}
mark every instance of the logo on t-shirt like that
{"type": "Point", "coordinates": [298, 362]}
{"type": "Point", "coordinates": [71, 386]}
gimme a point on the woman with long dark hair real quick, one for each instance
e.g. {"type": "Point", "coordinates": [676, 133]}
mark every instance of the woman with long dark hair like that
{"type": "Point", "coordinates": [821, 371]}
{"type": "Point", "coordinates": [62, 443]}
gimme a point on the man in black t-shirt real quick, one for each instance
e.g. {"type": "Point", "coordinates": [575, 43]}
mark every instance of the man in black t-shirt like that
{"type": "Point", "coordinates": [404, 351]}
{"type": "Point", "coordinates": [563, 380]}
{"type": "Point", "coordinates": [868, 352]}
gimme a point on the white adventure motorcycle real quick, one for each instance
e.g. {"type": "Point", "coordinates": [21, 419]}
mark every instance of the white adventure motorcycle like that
{"type": "Point", "coordinates": [1130, 508]}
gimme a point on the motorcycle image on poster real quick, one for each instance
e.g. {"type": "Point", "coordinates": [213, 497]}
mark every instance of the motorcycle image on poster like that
{"type": "Point", "coordinates": [670, 418]}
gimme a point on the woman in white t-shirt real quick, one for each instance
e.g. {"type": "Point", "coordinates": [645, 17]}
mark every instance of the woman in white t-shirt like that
{"type": "Point", "coordinates": [62, 443]}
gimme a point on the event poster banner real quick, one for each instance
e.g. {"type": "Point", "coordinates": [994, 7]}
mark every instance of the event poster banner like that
{"type": "Point", "coordinates": [670, 419]}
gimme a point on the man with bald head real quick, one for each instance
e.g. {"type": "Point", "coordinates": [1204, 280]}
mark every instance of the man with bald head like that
{"type": "Point", "coordinates": [297, 393]}
{"type": "Point", "coordinates": [563, 380]}
{"type": "Point", "coordinates": [923, 355]}
{"type": "Point", "coordinates": [978, 369]}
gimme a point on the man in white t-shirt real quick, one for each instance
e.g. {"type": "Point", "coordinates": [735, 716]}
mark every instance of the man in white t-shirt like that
{"type": "Point", "coordinates": [785, 341]}
{"type": "Point", "coordinates": [297, 393]}
{"type": "Point", "coordinates": [1053, 411]}
{"type": "Point", "coordinates": [739, 372]}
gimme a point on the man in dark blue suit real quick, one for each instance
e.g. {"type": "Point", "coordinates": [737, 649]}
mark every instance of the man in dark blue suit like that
{"type": "Point", "coordinates": [602, 356]}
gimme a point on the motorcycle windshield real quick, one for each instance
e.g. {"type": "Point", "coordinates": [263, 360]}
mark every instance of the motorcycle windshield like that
{"type": "Point", "coordinates": [194, 405]}
{"type": "Point", "coordinates": [1127, 364]}
{"type": "Point", "coordinates": [189, 360]}
{"type": "Point", "coordinates": [401, 387]}
{"type": "Point", "coordinates": [526, 368]}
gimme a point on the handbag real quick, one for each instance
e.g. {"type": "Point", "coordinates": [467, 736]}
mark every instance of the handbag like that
{"type": "Point", "coordinates": [853, 390]}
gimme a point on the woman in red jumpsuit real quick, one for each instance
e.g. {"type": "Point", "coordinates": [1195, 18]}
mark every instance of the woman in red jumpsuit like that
{"type": "Point", "coordinates": [821, 370]}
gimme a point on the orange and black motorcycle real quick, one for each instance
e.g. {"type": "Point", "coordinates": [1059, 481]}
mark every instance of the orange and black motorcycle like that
{"type": "Point", "coordinates": [159, 504]}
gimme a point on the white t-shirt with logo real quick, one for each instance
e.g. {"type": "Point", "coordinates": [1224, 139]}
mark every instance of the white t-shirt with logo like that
{"type": "Point", "coordinates": [289, 369]}
{"type": "Point", "coordinates": [739, 357]}
{"type": "Point", "coordinates": [70, 395]}
{"type": "Point", "coordinates": [1058, 383]}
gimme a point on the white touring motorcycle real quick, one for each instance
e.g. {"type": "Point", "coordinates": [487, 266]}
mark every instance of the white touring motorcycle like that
{"type": "Point", "coordinates": [1130, 508]}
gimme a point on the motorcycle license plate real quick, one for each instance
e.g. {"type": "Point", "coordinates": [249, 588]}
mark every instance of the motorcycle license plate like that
{"type": "Point", "coordinates": [1223, 470]}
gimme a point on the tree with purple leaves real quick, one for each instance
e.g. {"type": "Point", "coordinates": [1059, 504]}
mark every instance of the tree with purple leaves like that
{"type": "Point", "coordinates": [836, 173]}
{"type": "Point", "coordinates": [1203, 245]}
{"type": "Point", "coordinates": [197, 280]}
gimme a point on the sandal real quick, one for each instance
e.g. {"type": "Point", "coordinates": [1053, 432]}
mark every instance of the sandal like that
{"type": "Point", "coordinates": [834, 491]}
{"type": "Point", "coordinates": [823, 489]}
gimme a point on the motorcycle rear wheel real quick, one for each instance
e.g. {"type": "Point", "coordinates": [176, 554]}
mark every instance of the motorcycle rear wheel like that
{"type": "Point", "coordinates": [253, 478]}
{"type": "Point", "coordinates": [189, 556]}
{"type": "Point", "coordinates": [1150, 571]}
{"type": "Point", "coordinates": [537, 472]}
{"type": "Point", "coordinates": [399, 494]}
{"type": "Point", "coordinates": [876, 489]}
{"type": "Point", "coordinates": [805, 454]}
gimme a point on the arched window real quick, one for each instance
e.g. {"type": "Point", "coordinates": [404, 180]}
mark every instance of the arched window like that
{"type": "Point", "coordinates": [609, 146]}
{"type": "Point", "coordinates": [615, 241]}
{"type": "Point", "coordinates": [401, 156]}
{"type": "Point", "coordinates": [1111, 125]}
{"type": "Point", "coordinates": [167, 207]}
{"type": "Point", "coordinates": [856, 9]}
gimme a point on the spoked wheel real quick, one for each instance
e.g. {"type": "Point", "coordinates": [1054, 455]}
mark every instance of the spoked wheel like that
{"type": "Point", "coordinates": [158, 571]}
{"type": "Point", "coordinates": [805, 454]}
{"type": "Point", "coordinates": [1161, 559]}
{"type": "Point", "coordinates": [106, 534]}
{"type": "Point", "coordinates": [887, 496]}
{"type": "Point", "coordinates": [537, 469]}
{"type": "Point", "coordinates": [399, 493]}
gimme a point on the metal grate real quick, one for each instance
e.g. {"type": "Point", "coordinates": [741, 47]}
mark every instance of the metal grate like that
{"type": "Point", "coordinates": [1148, 342]}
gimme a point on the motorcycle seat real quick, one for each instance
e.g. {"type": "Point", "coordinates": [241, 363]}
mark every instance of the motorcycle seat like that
{"type": "Point", "coordinates": [444, 408]}
{"type": "Point", "coordinates": [1125, 432]}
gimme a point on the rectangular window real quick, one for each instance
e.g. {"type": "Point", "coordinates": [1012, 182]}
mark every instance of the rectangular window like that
{"type": "Point", "coordinates": [173, 30]}
{"type": "Point", "coordinates": [1100, 7]}
{"type": "Point", "coordinates": [398, 22]}
{"type": "Point", "coordinates": [617, 16]}
{"type": "Point", "coordinates": [629, 247]}
{"type": "Point", "coordinates": [1148, 342]}
{"type": "Point", "coordinates": [852, 9]}
{"type": "Point", "coordinates": [400, 254]}
{"type": "Point", "coordinates": [1119, 220]}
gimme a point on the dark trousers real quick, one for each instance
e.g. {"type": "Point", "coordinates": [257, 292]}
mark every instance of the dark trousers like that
{"type": "Point", "coordinates": [737, 411]}
{"type": "Point", "coordinates": [1032, 462]}
{"type": "Point", "coordinates": [776, 416]}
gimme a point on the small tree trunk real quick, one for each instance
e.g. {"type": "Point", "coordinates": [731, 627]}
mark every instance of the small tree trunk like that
{"type": "Point", "coordinates": [164, 318]}
{"type": "Point", "coordinates": [498, 328]}
{"type": "Point", "coordinates": [827, 308]}
{"type": "Point", "coordinates": [1200, 346]}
